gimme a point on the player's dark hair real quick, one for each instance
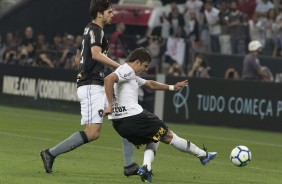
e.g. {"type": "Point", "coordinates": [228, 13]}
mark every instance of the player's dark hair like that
{"type": "Point", "coordinates": [98, 6]}
{"type": "Point", "coordinates": [140, 54]}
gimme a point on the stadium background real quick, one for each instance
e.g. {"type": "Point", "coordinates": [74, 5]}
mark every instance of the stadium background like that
{"type": "Point", "coordinates": [38, 107]}
{"type": "Point", "coordinates": [71, 16]}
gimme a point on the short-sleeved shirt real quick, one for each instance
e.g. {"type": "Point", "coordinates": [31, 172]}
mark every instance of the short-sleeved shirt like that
{"type": "Point", "coordinates": [125, 99]}
{"type": "Point", "coordinates": [263, 7]}
{"type": "Point", "coordinates": [92, 71]}
{"type": "Point", "coordinates": [194, 6]}
{"type": "Point", "coordinates": [251, 67]}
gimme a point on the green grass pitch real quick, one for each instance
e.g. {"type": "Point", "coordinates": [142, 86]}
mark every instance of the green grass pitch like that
{"type": "Point", "coordinates": [24, 133]}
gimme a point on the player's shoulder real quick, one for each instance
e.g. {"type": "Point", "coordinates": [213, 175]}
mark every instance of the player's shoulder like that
{"type": "Point", "coordinates": [125, 71]}
{"type": "Point", "coordinates": [94, 27]}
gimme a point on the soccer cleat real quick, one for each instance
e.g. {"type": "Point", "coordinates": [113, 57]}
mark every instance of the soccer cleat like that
{"type": "Point", "coordinates": [209, 156]}
{"type": "Point", "coordinates": [146, 176]}
{"type": "Point", "coordinates": [48, 160]}
{"type": "Point", "coordinates": [131, 169]}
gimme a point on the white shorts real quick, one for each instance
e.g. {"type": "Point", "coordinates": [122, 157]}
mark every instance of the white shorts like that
{"type": "Point", "coordinates": [92, 102]}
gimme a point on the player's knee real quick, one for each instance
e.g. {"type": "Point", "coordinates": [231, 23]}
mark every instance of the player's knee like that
{"type": "Point", "coordinates": [92, 131]}
{"type": "Point", "coordinates": [92, 136]}
{"type": "Point", "coordinates": [168, 137]}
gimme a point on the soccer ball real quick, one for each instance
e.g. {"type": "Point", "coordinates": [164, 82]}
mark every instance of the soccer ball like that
{"type": "Point", "coordinates": [240, 156]}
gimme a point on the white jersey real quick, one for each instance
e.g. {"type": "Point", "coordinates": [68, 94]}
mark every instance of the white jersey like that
{"type": "Point", "coordinates": [125, 100]}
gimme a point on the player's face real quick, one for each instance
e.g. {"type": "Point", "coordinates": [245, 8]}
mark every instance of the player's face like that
{"type": "Point", "coordinates": [142, 67]}
{"type": "Point", "coordinates": [108, 15]}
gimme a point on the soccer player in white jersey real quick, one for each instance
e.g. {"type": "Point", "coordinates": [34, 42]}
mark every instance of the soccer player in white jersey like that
{"type": "Point", "coordinates": [90, 90]}
{"type": "Point", "coordinates": [136, 124]}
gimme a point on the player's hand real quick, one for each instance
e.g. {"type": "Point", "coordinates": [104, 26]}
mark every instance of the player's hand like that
{"type": "Point", "coordinates": [107, 110]}
{"type": "Point", "coordinates": [181, 84]}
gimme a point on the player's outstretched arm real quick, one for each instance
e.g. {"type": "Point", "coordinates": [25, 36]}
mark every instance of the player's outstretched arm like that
{"type": "Point", "coordinates": [154, 85]}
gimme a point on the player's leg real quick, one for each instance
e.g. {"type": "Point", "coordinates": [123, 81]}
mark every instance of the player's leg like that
{"type": "Point", "coordinates": [187, 146]}
{"type": "Point", "coordinates": [130, 167]}
{"type": "Point", "coordinates": [92, 102]}
{"type": "Point", "coordinates": [145, 171]}
{"type": "Point", "coordinates": [149, 154]}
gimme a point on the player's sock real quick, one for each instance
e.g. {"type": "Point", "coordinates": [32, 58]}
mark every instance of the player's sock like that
{"type": "Point", "coordinates": [75, 140]}
{"type": "Point", "coordinates": [148, 158]}
{"type": "Point", "coordinates": [127, 152]}
{"type": "Point", "coordinates": [186, 146]}
{"type": "Point", "coordinates": [149, 154]}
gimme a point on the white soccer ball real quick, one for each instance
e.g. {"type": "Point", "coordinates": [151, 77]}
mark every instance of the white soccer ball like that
{"type": "Point", "coordinates": [240, 156]}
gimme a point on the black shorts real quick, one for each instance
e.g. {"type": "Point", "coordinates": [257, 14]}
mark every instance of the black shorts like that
{"type": "Point", "coordinates": [141, 129]}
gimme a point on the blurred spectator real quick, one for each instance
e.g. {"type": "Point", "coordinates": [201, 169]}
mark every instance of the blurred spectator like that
{"type": "Point", "coordinates": [256, 29]}
{"type": "Point", "coordinates": [10, 57]}
{"type": "Point", "coordinates": [28, 43]}
{"type": "Point", "coordinates": [175, 51]}
{"type": "Point", "coordinates": [2, 49]}
{"type": "Point", "coordinates": [193, 5]}
{"type": "Point", "coordinates": [10, 41]}
{"type": "Point", "coordinates": [117, 43]}
{"type": "Point", "coordinates": [269, 74]}
{"type": "Point", "coordinates": [77, 57]}
{"type": "Point", "coordinates": [271, 33]}
{"type": "Point", "coordinates": [212, 18]}
{"type": "Point", "coordinates": [24, 60]}
{"type": "Point", "coordinates": [231, 73]}
{"type": "Point", "coordinates": [279, 27]}
{"type": "Point", "coordinates": [78, 41]}
{"type": "Point", "coordinates": [44, 61]}
{"type": "Point", "coordinates": [237, 29]}
{"type": "Point", "coordinates": [56, 49]}
{"type": "Point", "coordinates": [192, 29]}
{"type": "Point", "coordinates": [224, 11]}
{"type": "Point", "coordinates": [154, 48]}
{"type": "Point", "coordinates": [41, 45]}
{"type": "Point", "coordinates": [252, 70]}
{"type": "Point", "coordinates": [175, 70]}
{"type": "Point", "coordinates": [224, 38]}
{"type": "Point", "coordinates": [69, 51]}
{"type": "Point", "coordinates": [200, 68]}
{"type": "Point", "coordinates": [247, 7]}
{"type": "Point", "coordinates": [176, 20]}
{"type": "Point", "coordinates": [165, 25]}
{"type": "Point", "coordinates": [263, 6]}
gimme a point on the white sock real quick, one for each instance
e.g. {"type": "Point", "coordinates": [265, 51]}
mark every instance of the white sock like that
{"type": "Point", "coordinates": [186, 146]}
{"type": "Point", "coordinates": [128, 149]}
{"type": "Point", "coordinates": [148, 158]}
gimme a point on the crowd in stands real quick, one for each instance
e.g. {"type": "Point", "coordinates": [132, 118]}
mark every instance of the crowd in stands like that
{"type": "Point", "coordinates": [218, 26]}
{"type": "Point", "coordinates": [34, 50]}
{"type": "Point", "coordinates": [226, 26]}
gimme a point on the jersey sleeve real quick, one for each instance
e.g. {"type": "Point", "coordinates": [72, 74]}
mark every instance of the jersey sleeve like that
{"type": "Point", "coordinates": [256, 65]}
{"type": "Point", "coordinates": [140, 81]}
{"type": "Point", "coordinates": [96, 37]}
{"type": "Point", "coordinates": [124, 73]}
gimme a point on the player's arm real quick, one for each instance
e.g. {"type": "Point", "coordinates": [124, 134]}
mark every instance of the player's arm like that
{"type": "Point", "coordinates": [263, 74]}
{"type": "Point", "coordinates": [109, 89]}
{"type": "Point", "coordinates": [97, 55]}
{"type": "Point", "coordinates": [77, 57]}
{"type": "Point", "coordinates": [154, 85]}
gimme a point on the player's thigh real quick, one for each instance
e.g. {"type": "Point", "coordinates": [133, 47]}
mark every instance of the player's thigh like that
{"type": "Point", "coordinates": [141, 129]}
{"type": "Point", "coordinates": [154, 128]}
{"type": "Point", "coordinates": [92, 100]}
